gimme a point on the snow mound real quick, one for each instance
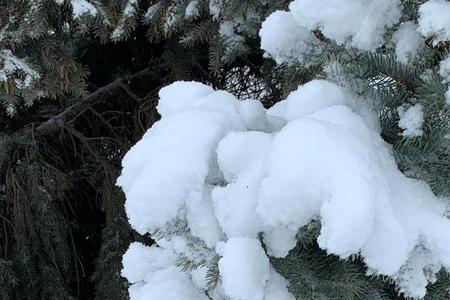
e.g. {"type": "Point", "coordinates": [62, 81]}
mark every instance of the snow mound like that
{"type": "Point", "coordinates": [215, 174]}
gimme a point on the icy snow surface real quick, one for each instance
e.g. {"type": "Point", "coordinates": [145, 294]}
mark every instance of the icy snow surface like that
{"type": "Point", "coordinates": [233, 171]}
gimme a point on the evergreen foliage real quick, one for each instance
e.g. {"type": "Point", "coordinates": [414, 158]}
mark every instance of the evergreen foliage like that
{"type": "Point", "coordinates": [79, 87]}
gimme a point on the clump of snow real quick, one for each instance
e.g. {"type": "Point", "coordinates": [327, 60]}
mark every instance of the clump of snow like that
{"type": "Point", "coordinates": [312, 97]}
{"type": "Point", "coordinates": [244, 268]}
{"type": "Point", "coordinates": [215, 174]}
{"type": "Point", "coordinates": [360, 23]}
{"type": "Point", "coordinates": [153, 275]}
{"type": "Point", "coordinates": [130, 8]}
{"type": "Point", "coordinates": [287, 36]}
{"type": "Point", "coordinates": [434, 19]}
{"type": "Point", "coordinates": [407, 42]}
{"type": "Point", "coordinates": [411, 120]}
{"type": "Point", "coordinates": [140, 260]}
{"type": "Point", "coordinates": [82, 7]}
{"type": "Point", "coordinates": [12, 64]}
{"type": "Point", "coordinates": [178, 149]}
{"type": "Point", "coordinates": [215, 7]}
{"type": "Point", "coordinates": [285, 41]}
{"type": "Point", "coordinates": [192, 9]}
{"type": "Point", "coordinates": [128, 12]}
{"type": "Point", "coordinates": [444, 69]}
{"type": "Point", "coordinates": [152, 10]}
{"type": "Point", "coordinates": [447, 97]}
{"type": "Point", "coordinates": [118, 32]}
{"type": "Point", "coordinates": [228, 31]}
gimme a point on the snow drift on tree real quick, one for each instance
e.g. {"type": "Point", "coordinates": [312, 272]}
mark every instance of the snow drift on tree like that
{"type": "Point", "coordinates": [227, 180]}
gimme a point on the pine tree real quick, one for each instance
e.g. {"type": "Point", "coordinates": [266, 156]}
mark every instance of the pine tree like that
{"type": "Point", "coordinates": [79, 87]}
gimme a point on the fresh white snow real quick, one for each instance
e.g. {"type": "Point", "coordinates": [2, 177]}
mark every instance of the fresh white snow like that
{"type": "Point", "coordinates": [285, 41]}
{"type": "Point", "coordinates": [82, 7]}
{"type": "Point", "coordinates": [192, 9]}
{"type": "Point", "coordinates": [411, 120]}
{"type": "Point", "coordinates": [244, 268]}
{"type": "Point", "coordinates": [359, 23]}
{"type": "Point", "coordinates": [407, 42]}
{"type": "Point", "coordinates": [12, 64]}
{"type": "Point", "coordinates": [234, 170]}
{"type": "Point", "coordinates": [434, 19]}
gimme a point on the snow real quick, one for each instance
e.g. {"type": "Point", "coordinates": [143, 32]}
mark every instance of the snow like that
{"type": "Point", "coordinates": [168, 284]}
{"type": "Point", "coordinates": [312, 97]}
{"type": "Point", "coordinates": [241, 156]}
{"type": "Point", "coordinates": [177, 149]}
{"type": "Point", "coordinates": [244, 268]}
{"type": "Point", "coordinates": [13, 64]}
{"type": "Point", "coordinates": [130, 9]}
{"type": "Point", "coordinates": [153, 275]}
{"type": "Point", "coordinates": [280, 240]}
{"type": "Point", "coordinates": [285, 41]}
{"type": "Point", "coordinates": [407, 42]}
{"type": "Point", "coordinates": [82, 7]}
{"type": "Point", "coordinates": [118, 32]}
{"type": "Point", "coordinates": [444, 69]}
{"type": "Point", "coordinates": [179, 95]}
{"type": "Point", "coordinates": [236, 172]}
{"type": "Point", "coordinates": [230, 33]}
{"type": "Point", "coordinates": [253, 115]}
{"type": "Point", "coordinates": [128, 12]}
{"type": "Point", "coordinates": [215, 8]}
{"type": "Point", "coordinates": [199, 278]}
{"type": "Point", "coordinates": [140, 260]}
{"type": "Point", "coordinates": [447, 97]}
{"type": "Point", "coordinates": [359, 23]}
{"type": "Point", "coordinates": [200, 217]}
{"type": "Point", "coordinates": [411, 120]}
{"type": "Point", "coordinates": [287, 36]}
{"type": "Point", "coordinates": [152, 10]}
{"type": "Point", "coordinates": [434, 17]}
{"type": "Point", "coordinates": [192, 9]}
{"type": "Point", "coordinates": [276, 288]}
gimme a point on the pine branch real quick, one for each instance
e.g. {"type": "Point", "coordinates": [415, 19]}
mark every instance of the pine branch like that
{"type": "Point", "coordinates": [55, 124]}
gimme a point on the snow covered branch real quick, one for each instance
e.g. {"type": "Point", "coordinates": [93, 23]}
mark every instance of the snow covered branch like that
{"type": "Point", "coordinates": [232, 171]}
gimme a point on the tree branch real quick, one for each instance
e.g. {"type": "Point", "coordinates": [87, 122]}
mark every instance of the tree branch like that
{"type": "Point", "coordinates": [55, 124]}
